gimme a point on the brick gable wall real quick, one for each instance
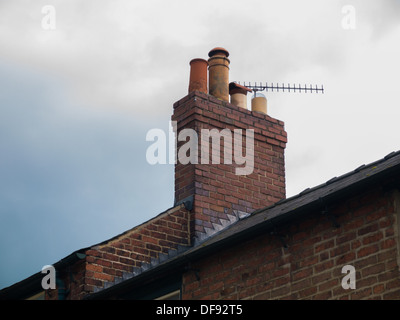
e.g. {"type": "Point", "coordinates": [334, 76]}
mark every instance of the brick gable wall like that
{"type": "Point", "coordinates": [127, 254]}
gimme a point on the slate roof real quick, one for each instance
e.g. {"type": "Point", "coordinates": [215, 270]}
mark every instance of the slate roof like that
{"type": "Point", "coordinates": [314, 197]}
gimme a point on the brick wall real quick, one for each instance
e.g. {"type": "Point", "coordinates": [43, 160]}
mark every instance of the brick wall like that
{"type": "Point", "coordinates": [73, 279]}
{"type": "Point", "coordinates": [218, 190]}
{"type": "Point", "coordinates": [108, 261]}
{"type": "Point", "coordinates": [310, 268]}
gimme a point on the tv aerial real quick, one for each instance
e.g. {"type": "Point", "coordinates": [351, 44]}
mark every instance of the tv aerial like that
{"type": "Point", "coordinates": [256, 87]}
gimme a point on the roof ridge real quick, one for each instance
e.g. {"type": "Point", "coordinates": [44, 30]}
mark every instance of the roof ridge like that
{"type": "Point", "coordinates": [330, 181]}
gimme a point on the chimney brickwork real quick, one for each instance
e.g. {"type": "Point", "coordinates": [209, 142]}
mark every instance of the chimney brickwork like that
{"type": "Point", "coordinates": [220, 194]}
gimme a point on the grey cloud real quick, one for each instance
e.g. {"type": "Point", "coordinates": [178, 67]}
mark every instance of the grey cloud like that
{"type": "Point", "coordinates": [71, 175]}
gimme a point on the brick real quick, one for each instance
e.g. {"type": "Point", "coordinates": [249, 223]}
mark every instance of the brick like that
{"type": "Point", "coordinates": [394, 295]}
{"type": "Point", "coordinates": [371, 228]}
{"type": "Point", "coordinates": [366, 282]}
{"type": "Point", "coordinates": [120, 266]}
{"type": "Point", "coordinates": [385, 222]}
{"type": "Point", "coordinates": [302, 274]}
{"type": "Point", "coordinates": [361, 294]}
{"type": "Point", "coordinates": [281, 281]}
{"type": "Point", "coordinates": [323, 296]}
{"type": "Point", "coordinates": [323, 256]}
{"type": "Point", "coordinates": [346, 258]}
{"type": "Point", "coordinates": [387, 255]}
{"type": "Point", "coordinates": [308, 292]}
{"type": "Point", "coordinates": [355, 244]}
{"type": "Point", "coordinates": [310, 261]}
{"type": "Point", "coordinates": [389, 232]}
{"type": "Point", "coordinates": [122, 253]}
{"type": "Point", "coordinates": [94, 253]}
{"type": "Point", "coordinates": [328, 285]}
{"type": "Point", "coordinates": [280, 272]}
{"type": "Point", "coordinates": [325, 245]}
{"type": "Point", "coordinates": [323, 266]}
{"type": "Point", "coordinates": [389, 243]}
{"type": "Point", "coordinates": [280, 292]}
{"type": "Point", "coordinates": [375, 269]}
{"type": "Point", "coordinates": [104, 263]}
{"type": "Point", "coordinates": [216, 286]}
{"type": "Point", "coordinates": [362, 211]}
{"type": "Point", "coordinates": [340, 250]}
{"type": "Point", "coordinates": [360, 264]}
{"type": "Point", "coordinates": [367, 251]}
{"type": "Point", "coordinates": [353, 224]}
{"type": "Point", "coordinates": [378, 289]}
{"type": "Point", "coordinates": [93, 282]}
{"type": "Point", "coordinates": [346, 237]}
{"type": "Point", "coordinates": [103, 276]}
{"type": "Point", "coordinates": [301, 284]}
{"type": "Point", "coordinates": [376, 215]}
{"type": "Point", "coordinates": [322, 277]}
{"type": "Point", "coordinates": [372, 238]}
{"type": "Point", "coordinates": [92, 267]}
{"type": "Point", "coordinates": [393, 284]}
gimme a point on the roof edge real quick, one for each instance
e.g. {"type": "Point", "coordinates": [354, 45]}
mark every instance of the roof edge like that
{"type": "Point", "coordinates": [33, 284]}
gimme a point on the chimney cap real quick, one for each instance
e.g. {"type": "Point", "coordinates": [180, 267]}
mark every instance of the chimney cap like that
{"type": "Point", "coordinates": [237, 88]}
{"type": "Point", "coordinates": [198, 60]}
{"type": "Point", "coordinates": [219, 50]}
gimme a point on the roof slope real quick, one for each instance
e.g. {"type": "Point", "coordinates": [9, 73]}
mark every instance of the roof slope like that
{"type": "Point", "coordinates": [270, 217]}
{"type": "Point", "coordinates": [319, 195]}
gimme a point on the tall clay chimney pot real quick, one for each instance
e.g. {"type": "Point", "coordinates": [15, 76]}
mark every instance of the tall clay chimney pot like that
{"type": "Point", "coordinates": [218, 66]}
{"type": "Point", "coordinates": [198, 75]}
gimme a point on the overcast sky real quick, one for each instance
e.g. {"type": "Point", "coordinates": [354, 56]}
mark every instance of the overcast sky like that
{"type": "Point", "coordinates": [76, 103]}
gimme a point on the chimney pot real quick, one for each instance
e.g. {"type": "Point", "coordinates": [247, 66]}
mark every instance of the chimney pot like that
{"type": "Point", "coordinates": [218, 66]}
{"type": "Point", "coordinates": [259, 103]}
{"type": "Point", "coordinates": [239, 94]}
{"type": "Point", "coordinates": [198, 75]}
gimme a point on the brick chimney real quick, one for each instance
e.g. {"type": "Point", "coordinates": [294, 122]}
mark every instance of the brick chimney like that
{"type": "Point", "coordinates": [223, 191]}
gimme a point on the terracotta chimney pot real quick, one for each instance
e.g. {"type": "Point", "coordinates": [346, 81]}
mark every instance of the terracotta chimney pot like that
{"type": "Point", "coordinates": [218, 66]}
{"type": "Point", "coordinates": [239, 94]}
{"type": "Point", "coordinates": [198, 75]}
